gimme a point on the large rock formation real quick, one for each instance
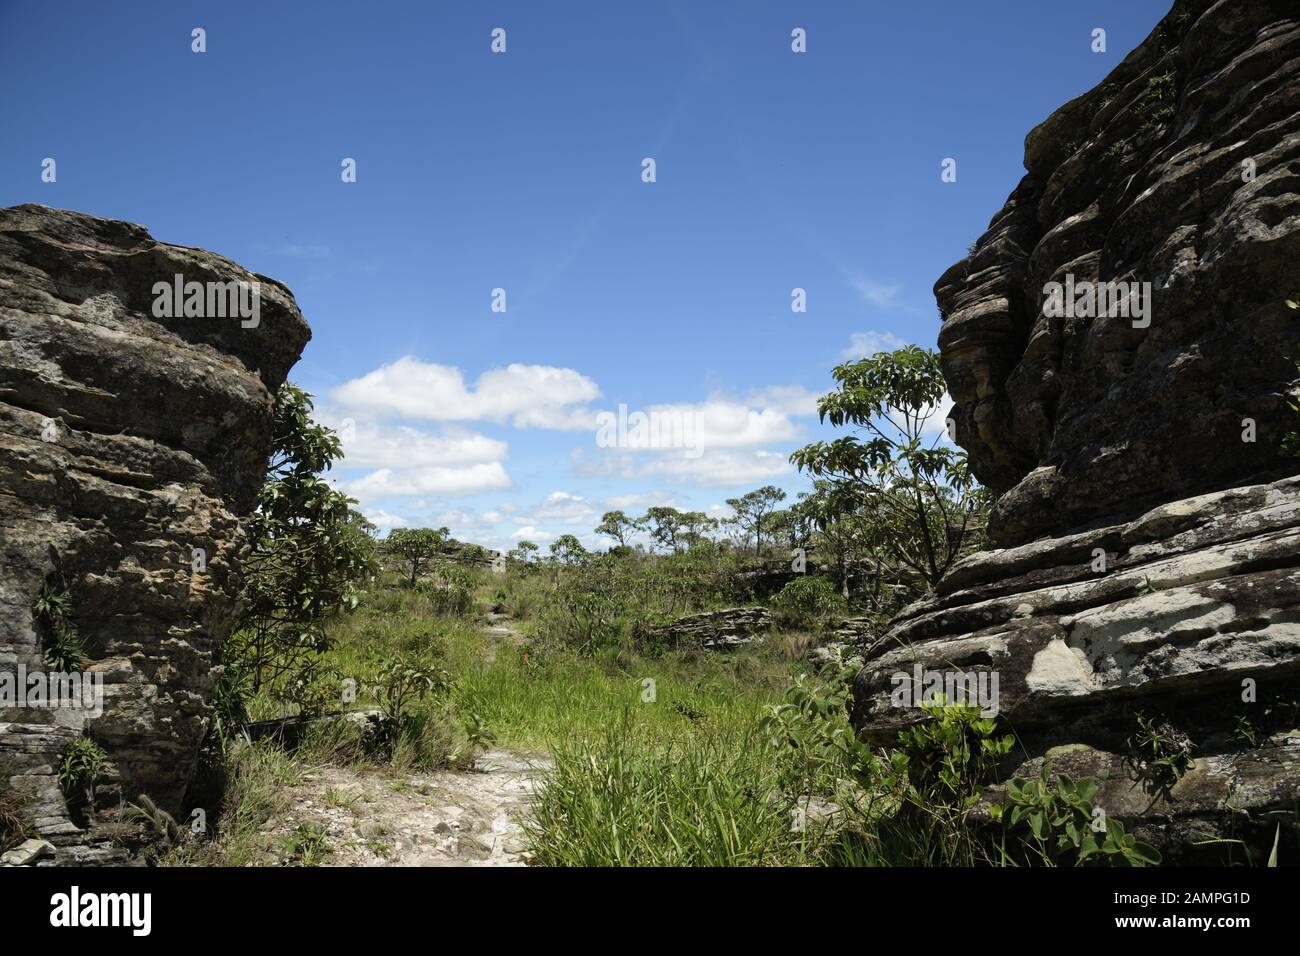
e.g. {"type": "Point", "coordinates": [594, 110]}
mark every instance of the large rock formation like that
{"type": "Point", "coordinates": [126, 443]}
{"type": "Point", "coordinates": [1149, 534]}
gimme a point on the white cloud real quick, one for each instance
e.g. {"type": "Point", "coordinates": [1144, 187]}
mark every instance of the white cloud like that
{"type": "Point", "coordinates": [566, 508]}
{"type": "Point", "coordinates": [427, 480]}
{"type": "Point", "coordinates": [786, 399]}
{"type": "Point", "coordinates": [937, 424]}
{"type": "Point", "coordinates": [642, 502]}
{"type": "Point", "coordinates": [526, 395]}
{"type": "Point", "coordinates": [719, 467]}
{"type": "Point", "coordinates": [862, 344]}
{"type": "Point", "coordinates": [698, 427]}
{"type": "Point", "coordinates": [382, 519]}
{"type": "Point", "coordinates": [529, 533]}
{"type": "Point", "coordinates": [367, 445]}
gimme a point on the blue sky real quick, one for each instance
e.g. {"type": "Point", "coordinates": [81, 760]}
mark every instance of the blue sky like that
{"type": "Point", "coordinates": [522, 171]}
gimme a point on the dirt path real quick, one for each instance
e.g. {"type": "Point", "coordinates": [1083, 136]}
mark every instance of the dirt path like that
{"type": "Point", "coordinates": [447, 818]}
{"type": "Point", "coordinates": [500, 631]}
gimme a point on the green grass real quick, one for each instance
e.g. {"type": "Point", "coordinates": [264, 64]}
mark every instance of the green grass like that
{"type": "Point", "coordinates": [259, 779]}
{"type": "Point", "coordinates": [633, 798]}
{"type": "Point", "coordinates": [557, 694]}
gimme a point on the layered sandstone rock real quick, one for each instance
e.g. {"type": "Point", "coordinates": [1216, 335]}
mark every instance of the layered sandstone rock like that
{"type": "Point", "coordinates": [1150, 555]}
{"type": "Point", "coordinates": [126, 442]}
{"type": "Point", "coordinates": [720, 630]}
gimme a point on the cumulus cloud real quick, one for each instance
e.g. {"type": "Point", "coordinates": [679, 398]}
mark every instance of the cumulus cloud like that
{"type": "Point", "coordinates": [785, 399]}
{"type": "Point", "coordinates": [382, 519]}
{"type": "Point", "coordinates": [387, 483]}
{"type": "Point", "coordinates": [539, 396]}
{"type": "Point", "coordinates": [862, 344]}
{"type": "Point", "coordinates": [369, 445]}
{"type": "Point", "coordinates": [696, 427]}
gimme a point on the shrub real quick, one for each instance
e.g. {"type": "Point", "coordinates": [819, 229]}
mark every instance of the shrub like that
{"type": "Point", "coordinates": [582, 615]}
{"type": "Point", "coordinates": [1055, 822]}
{"type": "Point", "coordinates": [452, 594]}
{"type": "Point", "coordinates": [806, 601]}
{"type": "Point", "coordinates": [79, 769]}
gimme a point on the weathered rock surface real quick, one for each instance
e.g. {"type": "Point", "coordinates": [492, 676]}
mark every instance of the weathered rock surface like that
{"type": "Point", "coordinates": [126, 441]}
{"type": "Point", "coordinates": [1141, 179]}
{"type": "Point", "coordinates": [716, 630]}
{"type": "Point", "coordinates": [445, 818]}
{"type": "Point", "coordinates": [1149, 558]}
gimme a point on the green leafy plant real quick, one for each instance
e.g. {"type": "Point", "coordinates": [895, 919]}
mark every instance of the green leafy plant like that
{"type": "Point", "coordinates": [1159, 754]}
{"type": "Point", "coordinates": [451, 594]}
{"type": "Point", "coordinates": [805, 601]}
{"type": "Point", "coordinates": [401, 680]}
{"type": "Point", "coordinates": [61, 644]}
{"type": "Point", "coordinates": [1054, 820]}
{"type": "Point", "coordinates": [79, 769]}
{"type": "Point", "coordinates": [307, 845]}
{"type": "Point", "coordinates": [1159, 101]}
{"type": "Point", "coordinates": [310, 553]}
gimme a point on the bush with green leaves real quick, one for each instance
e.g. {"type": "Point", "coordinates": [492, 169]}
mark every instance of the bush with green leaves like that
{"type": "Point", "coordinates": [451, 592]}
{"type": "Point", "coordinates": [400, 681]}
{"type": "Point", "coordinates": [921, 802]}
{"type": "Point", "coordinates": [806, 601]}
{"type": "Point", "coordinates": [586, 611]}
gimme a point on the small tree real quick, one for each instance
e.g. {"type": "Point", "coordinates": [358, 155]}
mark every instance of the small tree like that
{"type": "Point", "coordinates": [417, 547]}
{"type": "Point", "coordinates": [695, 526]}
{"type": "Point", "coordinates": [753, 508]}
{"type": "Point", "coordinates": [310, 552]}
{"type": "Point", "coordinates": [664, 525]}
{"type": "Point", "coordinates": [567, 549]}
{"type": "Point", "coordinates": [920, 499]}
{"type": "Point", "coordinates": [523, 553]}
{"type": "Point", "coordinates": [616, 525]}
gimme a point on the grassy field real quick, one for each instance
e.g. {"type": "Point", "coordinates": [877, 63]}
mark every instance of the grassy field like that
{"type": "Point", "coordinates": [660, 758]}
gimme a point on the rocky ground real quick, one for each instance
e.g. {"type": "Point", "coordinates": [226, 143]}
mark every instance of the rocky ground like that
{"type": "Point", "coordinates": [448, 818]}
